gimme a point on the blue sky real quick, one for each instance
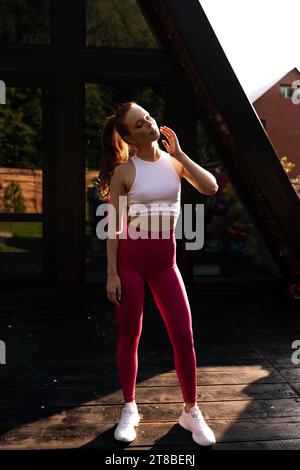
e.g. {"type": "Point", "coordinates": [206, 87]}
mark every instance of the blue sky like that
{"type": "Point", "coordinates": [258, 37]}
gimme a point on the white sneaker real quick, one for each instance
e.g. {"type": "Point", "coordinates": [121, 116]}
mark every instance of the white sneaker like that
{"type": "Point", "coordinates": [193, 421]}
{"type": "Point", "coordinates": [125, 430]}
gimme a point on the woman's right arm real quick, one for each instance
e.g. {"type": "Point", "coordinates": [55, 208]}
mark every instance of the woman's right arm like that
{"type": "Point", "coordinates": [117, 188]}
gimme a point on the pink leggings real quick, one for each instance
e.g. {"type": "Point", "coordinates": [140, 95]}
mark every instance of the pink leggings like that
{"type": "Point", "coordinates": [153, 260]}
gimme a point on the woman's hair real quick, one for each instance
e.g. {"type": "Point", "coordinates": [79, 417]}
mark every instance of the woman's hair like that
{"type": "Point", "coordinates": [115, 149]}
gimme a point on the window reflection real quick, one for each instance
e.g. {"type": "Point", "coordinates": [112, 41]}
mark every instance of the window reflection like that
{"type": "Point", "coordinates": [115, 23]}
{"type": "Point", "coordinates": [24, 21]}
{"type": "Point", "coordinates": [233, 247]}
{"type": "Point", "coordinates": [21, 151]}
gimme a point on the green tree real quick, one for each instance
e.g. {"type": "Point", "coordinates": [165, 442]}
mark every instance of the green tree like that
{"type": "Point", "coordinates": [115, 23]}
{"type": "Point", "coordinates": [24, 21]}
{"type": "Point", "coordinates": [20, 129]}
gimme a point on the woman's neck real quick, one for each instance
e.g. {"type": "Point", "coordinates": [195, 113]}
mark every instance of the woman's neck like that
{"type": "Point", "coordinates": [149, 154]}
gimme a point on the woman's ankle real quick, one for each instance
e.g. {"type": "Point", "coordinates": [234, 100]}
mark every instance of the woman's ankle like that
{"type": "Point", "coordinates": [188, 406]}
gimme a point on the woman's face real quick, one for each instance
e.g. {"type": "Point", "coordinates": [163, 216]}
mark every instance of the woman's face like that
{"type": "Point", "coordinates": [141, 126]}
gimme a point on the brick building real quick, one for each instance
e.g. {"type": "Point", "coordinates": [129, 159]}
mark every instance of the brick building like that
{"type": "Point", "coordinates": [281, 117]}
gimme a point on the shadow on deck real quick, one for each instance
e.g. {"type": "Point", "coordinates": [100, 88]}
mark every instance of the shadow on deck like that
{"type": "Point", "coordinates": [59, 386]}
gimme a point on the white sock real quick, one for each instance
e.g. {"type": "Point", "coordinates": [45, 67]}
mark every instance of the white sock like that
{"type": "Point", "coordinates": [132, 406]}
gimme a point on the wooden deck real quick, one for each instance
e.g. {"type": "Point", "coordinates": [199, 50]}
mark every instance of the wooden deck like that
{"type": "Point", "coordinates": [59, 387]}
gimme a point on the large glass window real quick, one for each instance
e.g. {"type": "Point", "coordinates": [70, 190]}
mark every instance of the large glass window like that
{"type": "Point", "coordinates": [115, 23]}
{"type": "Point", "coordinates": [234, 249]}
{"type": "Point", "coordinates": [20, 151]}
{"type": "Point", "coordinates": [21, 178]}
{"type": "Point", "coordinates": [101, 101]}
{"type": "Point", "coordinates": [24, 21]}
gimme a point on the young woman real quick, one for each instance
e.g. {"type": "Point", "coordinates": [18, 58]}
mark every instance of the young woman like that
{"type": "Point", "coordinates": [134, 166]}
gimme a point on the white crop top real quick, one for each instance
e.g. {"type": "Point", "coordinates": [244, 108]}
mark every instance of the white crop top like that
{"type": "Point", "coordinates": [156, 188]}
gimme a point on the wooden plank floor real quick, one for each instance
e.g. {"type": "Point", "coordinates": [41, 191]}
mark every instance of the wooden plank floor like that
{"type": "Point", "coordinates": [59, 386]}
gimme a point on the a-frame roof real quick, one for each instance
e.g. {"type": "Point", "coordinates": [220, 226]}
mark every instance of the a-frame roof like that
{"type": "Point", "coordinates": [250, 159]}
{"type": "Point", "coordinates": [254, 95]}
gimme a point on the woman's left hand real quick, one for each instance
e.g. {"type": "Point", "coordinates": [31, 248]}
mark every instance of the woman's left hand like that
{"type": "Point", "coordinates": [172, 146]}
